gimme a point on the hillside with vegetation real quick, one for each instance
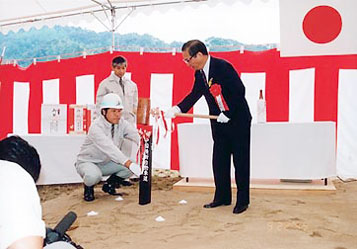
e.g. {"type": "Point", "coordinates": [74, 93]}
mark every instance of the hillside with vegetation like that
{"type": "Point", "coordinates": [48, 43]}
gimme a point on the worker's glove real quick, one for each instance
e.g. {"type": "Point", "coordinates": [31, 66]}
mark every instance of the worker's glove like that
{"type": "Point", "coordinates": [170, 113]}
{"type": "Point", "coordinates": [222, 118]}
{"type": "Point", "coordinates": [133, 167]}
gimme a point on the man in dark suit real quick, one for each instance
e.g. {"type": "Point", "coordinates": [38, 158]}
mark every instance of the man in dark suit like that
{"type": "Point", "coordinates": [217, 80]}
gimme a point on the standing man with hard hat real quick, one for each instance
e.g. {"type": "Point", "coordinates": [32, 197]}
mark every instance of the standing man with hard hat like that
{"type": "Point", "coordinates": [101, 153]}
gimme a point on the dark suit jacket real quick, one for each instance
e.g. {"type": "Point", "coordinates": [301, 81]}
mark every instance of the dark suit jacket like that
{"type": "Point", "coordinates": [221, 72]}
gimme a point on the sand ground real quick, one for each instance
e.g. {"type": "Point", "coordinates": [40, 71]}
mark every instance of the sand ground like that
{"type": "Point", "coordinates": [275, 219]}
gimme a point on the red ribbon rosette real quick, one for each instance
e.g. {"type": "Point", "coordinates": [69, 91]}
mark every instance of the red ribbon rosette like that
{"type": "Point", "coordinates": [216, 92]}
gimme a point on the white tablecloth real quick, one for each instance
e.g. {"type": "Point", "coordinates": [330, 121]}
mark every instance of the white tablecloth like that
{"type": "Point", "coordinates": [58, 155]}
{"type": "Point", "coordinates": [278, 150]}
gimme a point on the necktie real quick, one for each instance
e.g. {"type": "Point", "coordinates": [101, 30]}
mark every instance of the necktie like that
{"type": "Point", "coordinates": [112, 130]}
{"type": "Point", "coordinates": [204, 77]}
{"type": "Point", "coordinates": [122, 85]}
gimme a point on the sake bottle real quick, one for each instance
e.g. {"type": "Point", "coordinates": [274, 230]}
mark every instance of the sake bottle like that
{"type": "Point", "coordinates": [261, 108]}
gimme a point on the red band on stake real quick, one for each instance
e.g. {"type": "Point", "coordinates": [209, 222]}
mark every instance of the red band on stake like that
{"type": "Point", "coordinates": [144, 137]}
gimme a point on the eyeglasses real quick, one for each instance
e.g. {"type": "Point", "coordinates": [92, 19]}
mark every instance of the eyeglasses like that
{"type": "Point", "coordinates": [187, 60]}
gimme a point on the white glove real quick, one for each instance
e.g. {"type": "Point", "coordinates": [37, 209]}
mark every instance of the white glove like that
{"type": "Point", "coordinates": [170, 113]}
{"type": "Point", "coordinates": [222, 118]}
{"type": "Point", "coordinates": [135, 169]}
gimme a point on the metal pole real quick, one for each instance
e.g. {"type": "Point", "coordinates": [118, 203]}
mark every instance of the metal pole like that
{"type": "Point", "coordinates": [113, 28]}
{"type": "Point", "coordinates": [3, 53]}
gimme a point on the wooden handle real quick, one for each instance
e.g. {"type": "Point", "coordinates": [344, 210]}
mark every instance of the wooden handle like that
{"type": "Point", "coordinates": [189, 115]}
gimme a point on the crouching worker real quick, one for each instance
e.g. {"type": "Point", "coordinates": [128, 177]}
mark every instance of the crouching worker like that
{"type": "Point", "coordinates": [101, 153]}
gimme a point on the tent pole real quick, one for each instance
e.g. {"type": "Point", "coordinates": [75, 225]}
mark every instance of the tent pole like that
{"type": "Point", "coordinates": [113, 28]}
{"type": "Point", "coordinates": [3, 53]}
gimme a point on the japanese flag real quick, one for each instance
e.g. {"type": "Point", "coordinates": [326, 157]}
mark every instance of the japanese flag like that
{"type": "Point", "coordinates": [318, 27]}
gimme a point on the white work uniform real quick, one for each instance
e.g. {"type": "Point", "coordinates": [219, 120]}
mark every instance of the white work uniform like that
{"type": "Point", "coordinates": [20, 208]}
{"type": "Point", "coordinates": [128, 94]}
{"type": "Point", "coordinates": [101, 154]}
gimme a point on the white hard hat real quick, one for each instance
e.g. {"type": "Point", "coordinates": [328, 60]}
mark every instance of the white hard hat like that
{"type": "Point", "coordinates": [111, 100]}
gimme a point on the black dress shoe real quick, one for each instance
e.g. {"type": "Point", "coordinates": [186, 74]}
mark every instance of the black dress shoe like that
{"type": "Point", "coordinates": [216, 204]}
{"type": "Point", "coordinates": [240, 209]}
{"type": "Point", "coordinates": [88, 193]}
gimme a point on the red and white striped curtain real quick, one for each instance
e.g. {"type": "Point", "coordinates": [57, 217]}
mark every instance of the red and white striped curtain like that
{"type": "Point", "coordinates": [297, 89]}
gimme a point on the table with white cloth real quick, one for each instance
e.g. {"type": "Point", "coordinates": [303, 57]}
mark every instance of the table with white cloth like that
{"type": "Point", "coordinates": [58, 153]}
{"type": "Point", "coordinates": [279, 150]}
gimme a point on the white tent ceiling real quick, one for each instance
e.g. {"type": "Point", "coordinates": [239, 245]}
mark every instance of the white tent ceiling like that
{"type": "Point", "coordinates": [36, 13]}
{"type": "Point", "coordinates": [16, 14]}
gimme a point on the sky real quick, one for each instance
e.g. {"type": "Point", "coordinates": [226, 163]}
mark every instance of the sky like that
{"type": "Point", "coordinates": [251, 23]}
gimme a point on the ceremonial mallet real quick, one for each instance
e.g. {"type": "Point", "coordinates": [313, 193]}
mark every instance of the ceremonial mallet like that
{"type": "Point", "coordinates": [189, 115]}
{"type": "Point", "coordinates": [156, 113]}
